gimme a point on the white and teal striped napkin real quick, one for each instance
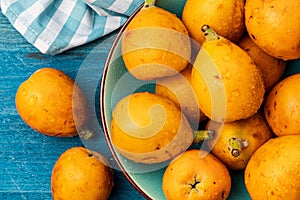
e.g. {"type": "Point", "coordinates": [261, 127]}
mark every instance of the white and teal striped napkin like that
{"type": "Point", "coordinates": [54, 26]}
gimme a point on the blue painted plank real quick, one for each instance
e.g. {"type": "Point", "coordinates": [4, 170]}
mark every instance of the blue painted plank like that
{"type": "Point", "coordinates": [27, 157]}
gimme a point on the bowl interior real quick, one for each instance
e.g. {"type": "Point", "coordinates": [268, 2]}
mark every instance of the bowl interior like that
{"type": "Point", "coordinates": [118, 83]}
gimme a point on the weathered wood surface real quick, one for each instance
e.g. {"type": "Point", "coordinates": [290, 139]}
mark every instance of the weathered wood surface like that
{"type": "Point", "coordinates": [27, 157]}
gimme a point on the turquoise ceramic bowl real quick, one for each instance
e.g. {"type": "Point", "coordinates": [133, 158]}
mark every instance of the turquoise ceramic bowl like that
{"type": "Point", "coordinates": [116, 84]}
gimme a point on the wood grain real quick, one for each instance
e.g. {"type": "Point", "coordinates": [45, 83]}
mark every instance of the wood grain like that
{"type": "Point", "coordinates": [27, 157]}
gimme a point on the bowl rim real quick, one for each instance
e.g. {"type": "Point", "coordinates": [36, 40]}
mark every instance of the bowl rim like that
{"type": "Point", "coordinates": [102, 106]}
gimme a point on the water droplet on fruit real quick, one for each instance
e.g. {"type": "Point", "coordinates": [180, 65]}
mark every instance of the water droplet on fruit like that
{"type": "Point", "coordinates": [236, 93]}
{"type": "Point", "coordinates": [252, 87]}
{"type": "Point", "coordinates": [32, 100]}
{"type": "Point", "coordinates": [293, 184]}
{"type": "Point", "coordinates": [50, 117]}
{"type": "Point", "coordinates": [255, 10]}
{"type": "Point", "coordinates": [228, 75]}
{"type": "Point", "coordinates": [111, 158]}
{"type": "Point", "coordinates": [24, 92]}
{"type": "Point", "coordinates": [236, 23]}
{"type": "Point", "coordinates": [271, 179]}
{"type": "Point", "coordinates": [226, 58]}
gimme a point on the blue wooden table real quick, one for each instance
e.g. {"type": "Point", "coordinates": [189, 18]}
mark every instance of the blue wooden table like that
{"type": "Point", "coordinates": [27, 157]}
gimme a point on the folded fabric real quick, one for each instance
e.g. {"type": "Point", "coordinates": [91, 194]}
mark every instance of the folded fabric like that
{"type": "Point", "coordinates": [54, 26]}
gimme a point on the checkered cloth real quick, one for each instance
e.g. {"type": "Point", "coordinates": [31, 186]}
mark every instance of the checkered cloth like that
{"type": "Point", "coordinates": [54, 26]}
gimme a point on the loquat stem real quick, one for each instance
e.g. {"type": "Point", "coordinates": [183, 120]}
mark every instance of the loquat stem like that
{"type": "Point", "coordinates": [202, 135]}
{"type": "Point", "coordinates": [236, 145]}
{"type": "Point", "coordinates": [149, 3]}
{"type": "Point", "coordinates": [209, 33]}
